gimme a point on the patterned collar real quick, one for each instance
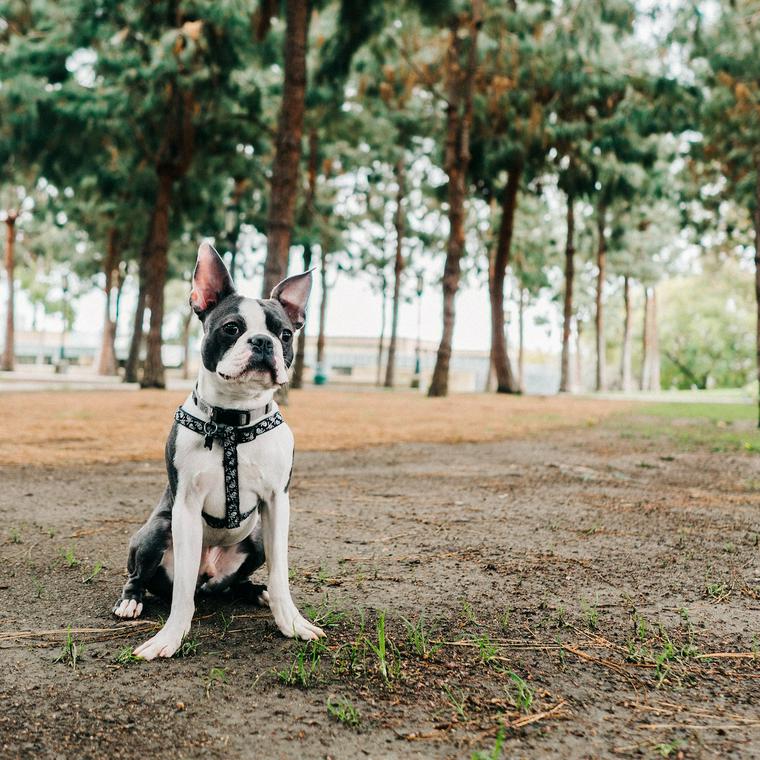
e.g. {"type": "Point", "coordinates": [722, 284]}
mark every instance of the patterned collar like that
{"type": "Point", "coordinates": [232, 417]}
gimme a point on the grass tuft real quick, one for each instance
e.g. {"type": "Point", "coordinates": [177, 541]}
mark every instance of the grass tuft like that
{"type": "Point", "coordinates": [343, 711]}
{"type": "Point", "coordinates": [71, 652]}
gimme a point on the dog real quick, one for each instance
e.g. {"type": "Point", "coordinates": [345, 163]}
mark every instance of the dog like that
{"type": "Point", "coordinates": [229, 458]}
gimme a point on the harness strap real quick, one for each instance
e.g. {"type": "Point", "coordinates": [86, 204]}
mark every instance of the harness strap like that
{"type": "Point", "coordinates": [230, 437]}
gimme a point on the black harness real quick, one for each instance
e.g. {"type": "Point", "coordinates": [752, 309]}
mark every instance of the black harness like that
{"type": "Point", "coordinates": [230, 427]}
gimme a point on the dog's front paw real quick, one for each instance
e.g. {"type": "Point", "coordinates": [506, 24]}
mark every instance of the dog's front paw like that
{"type": "Point", "coordinates": [164, 644]}
{"type": "Point", "coordinates": [128, 608]}
{"type": "Point", "coordinates": [294, 625]}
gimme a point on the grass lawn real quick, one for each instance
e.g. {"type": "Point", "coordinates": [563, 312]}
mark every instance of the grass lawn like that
{"type": "Point", "coordinates": [717, 427]}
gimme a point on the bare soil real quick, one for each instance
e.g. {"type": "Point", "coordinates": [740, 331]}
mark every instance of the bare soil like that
{"type": "Point", "coordinates": [116, 426]}
{"type": "Point", "coordinates": [585, 592]}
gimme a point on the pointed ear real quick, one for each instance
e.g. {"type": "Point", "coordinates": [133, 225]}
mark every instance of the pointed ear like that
{"type": "Point", "coordinates": [211, 281]}
{"type": "Point", "coordinates": [293, 293]}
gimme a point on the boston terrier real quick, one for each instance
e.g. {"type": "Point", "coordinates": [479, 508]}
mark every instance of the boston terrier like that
{"type": "Point", "coordinates": [229, 458]}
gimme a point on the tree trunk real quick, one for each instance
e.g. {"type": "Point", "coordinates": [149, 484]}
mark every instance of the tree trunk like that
{"type": "Point", "coordinates": [107, 360]}
{"type": "Point", "coordinates": [645, 348]}
{"type": "Point", "coordinates": [505, 381]}
{"type": "Point", "coordinates": [285, 167]}
{"type": "Point", "coordinates": [300, 360]}
{"type": "Point", "coordinates": [322, 308]}
{"type": "Point", "coordinates": [601, 263]}
{"type": "Point", "coordinates": [578, 355]}
{"type": "Point", "coordinates": [654, 345]}
{"type": "Point", "coordinates": [626, 376]}
{"type": "Point", "coordinates": [456, 163]}
{"type": "Point", "coordinates": [135, 345]}
{"type": "Point", "coordinates": [398, 268]}
{"type": "Point", "coordinates": [521, 349]}
{"type": "Point", "coordinates": [186, 332]}
{"type": "Point", "coordinates": [381, 341]}
{"type": "Point", "coordinates": [564, 381]}
{"type": "Point", "coordinates": [9, 351]}
{"type": "Point", "coordinates": [309, 209]}
{"type": "Point", "coordinates": [756, 218]}
{"type": "Point", "coordinates": [157, 267]}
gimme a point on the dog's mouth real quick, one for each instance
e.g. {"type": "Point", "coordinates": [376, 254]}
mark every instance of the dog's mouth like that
{"type": "Point", "coordinates": [245, 374]}
{"type": "Point", "coordinates": [258, 370]}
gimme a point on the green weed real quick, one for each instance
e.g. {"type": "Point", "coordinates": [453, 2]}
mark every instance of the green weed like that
{"type": "Point", "coordinates": [520, 693]}
{"type": "Point", "coordinates": [215, 676]}
{"type": "Point", "coordinates": [591, 615]}
{"type": "Point", "coordinates": [305, 668]}
{"type": "Point", "coordinates": [68, 557]}
{"type": "Point", "coordinates": [71, 652]}
{"type": "Point", "coordinates": [418, 637]}
{"type": "Point", "coordinates": [189, 646]}
{"type": "Point", "coordinates": [125, 657]}
{"type": "Point", "coordinates": [457, 700]}
{"type": "Point", "coordinates": [343, 711]}
{"type": "Point", "coordinates": [666, 749]}
{"type": "Point", "coordinates": [487, 650]}
{"type": "Point", "coordinates": [94, 574]}
{"type": "Point", "coordinates": [495, 753]}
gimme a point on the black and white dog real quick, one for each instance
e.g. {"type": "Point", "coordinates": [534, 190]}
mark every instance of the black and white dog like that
{"type": "Point", "coordinates": [229, 459]}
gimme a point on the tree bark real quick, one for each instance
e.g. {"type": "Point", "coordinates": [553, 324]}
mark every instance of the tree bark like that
{"type": "Point", "coordinates": [285, 172]}
{"type": "Point", "coordinates": [186, 331]}
{"type": "Point", "coordinates": [309, 210]}
{"type": "Point", "coordinates": [505, 380]}
{"type": "Point", "coordinates": [626, 376]}
{"type": "Point", "coordinates": [756, 218]}
{"type": "Point", "coordinates": [135, 345]}
{"type": "Point", "coordinates": [156, 269]}
{"type": "Point", "coordinates": [578, 355]}
{"type": "Point", "coordinates": [521, 349]}
{"type": "Point", "coordinates": [654, 345]}
{"type": "Point", "coordinates": [9, 351]}
{"type": "Point", "coordinates": [457, 159]}
{"type": "Point", "coordinates": [646, 363]}
{"type": "Point", "coordinates": [601, 263]}
{"type": "Point", "coordinates": [398, 268]}
{"type": "Point", "coordinates": [300, 360]}
{"type": "Point", "coordinates": [322, 308]}
{"type": "Point", "coordinates": [107, 360]}
{"type": "Point", "coordinates": [564, 382]}
{"type": "Point", "coordinates": [381, 340]}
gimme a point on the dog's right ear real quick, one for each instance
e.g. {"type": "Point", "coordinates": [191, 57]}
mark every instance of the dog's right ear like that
{"type": "Point", "coordinates": [211, 281]}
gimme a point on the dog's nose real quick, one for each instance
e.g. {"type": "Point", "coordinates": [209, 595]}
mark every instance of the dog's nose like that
{"type": "Point", "coordinates": [261, 346]}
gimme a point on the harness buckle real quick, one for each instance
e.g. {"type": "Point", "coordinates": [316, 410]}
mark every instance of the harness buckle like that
{"type": "Point", "coordinates": [209, 428]}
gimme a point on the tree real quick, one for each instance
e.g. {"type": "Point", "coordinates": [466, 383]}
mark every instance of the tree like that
{"type": "Point", "coordinates": [726, 48]}
{"type": "Point", "coordinates": [460, 66]}
{"type": "Point", "coordinates": [285, 168]}
{"type": "Point", "coordinates": [164, 79]}
{"type": "Point", "coordinates": [509, 139]}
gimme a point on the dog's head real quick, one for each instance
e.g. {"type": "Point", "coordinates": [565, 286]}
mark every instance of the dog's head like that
{"type": "Point", "coordinates": [246, 341]}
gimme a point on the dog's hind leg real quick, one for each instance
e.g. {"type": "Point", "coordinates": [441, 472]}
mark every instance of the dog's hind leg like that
{"type": "Point", "coordinates": [146, 552]}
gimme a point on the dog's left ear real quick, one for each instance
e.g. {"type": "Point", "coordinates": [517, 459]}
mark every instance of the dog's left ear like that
{"type": "Point", "coordinates": [211, 281]}
{"type": "Point", "coordinates": [293, 293]}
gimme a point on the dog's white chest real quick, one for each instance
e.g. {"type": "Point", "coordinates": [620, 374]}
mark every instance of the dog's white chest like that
{"type": "Point", "coordinates": [263, 466]}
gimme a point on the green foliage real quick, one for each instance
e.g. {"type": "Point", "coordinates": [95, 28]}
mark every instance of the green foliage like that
{"type": "Point", "coordinates": [706, 328]}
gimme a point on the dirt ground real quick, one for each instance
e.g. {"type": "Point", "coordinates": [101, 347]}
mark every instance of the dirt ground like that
{"type": "Point", "coordinates": [112, 426]}
{"type": "Point", "coordinates": [583, 588]}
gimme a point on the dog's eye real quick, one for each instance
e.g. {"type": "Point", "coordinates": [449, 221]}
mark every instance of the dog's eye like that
{"type": "Point", "coordinates": [286, 336]}
{"type": "Point", "coordinates": [231, 329]}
